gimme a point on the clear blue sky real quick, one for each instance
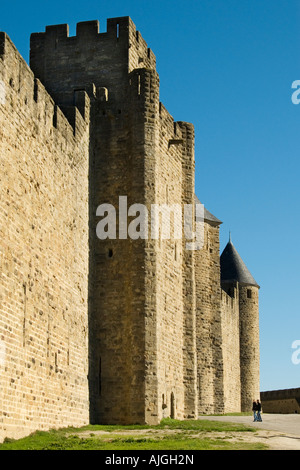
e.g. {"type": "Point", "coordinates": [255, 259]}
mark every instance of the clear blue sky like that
{"type": "Point", "coordinates": [226, 66]}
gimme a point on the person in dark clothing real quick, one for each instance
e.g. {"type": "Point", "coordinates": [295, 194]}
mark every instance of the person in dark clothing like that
{"type": "Point", "coordinates": [254, 409]}
{"type": "Point", "coordinates": [258, 407]}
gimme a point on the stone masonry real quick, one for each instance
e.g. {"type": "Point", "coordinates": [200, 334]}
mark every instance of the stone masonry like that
{"type": "Point", "coordinates": [117, 329]}
{"type": "Point", "coordinates": [285, 401]}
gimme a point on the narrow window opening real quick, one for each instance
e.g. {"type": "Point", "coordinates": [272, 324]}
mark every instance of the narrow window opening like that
{"type": "Point", "coordinates": [55, 116]}
{"type": "Point", "coordinates": [75, 95]}
{"type": "Point", "coordinates": [110, 253]}
{"type": "Point", "coordinates": [139, 84]}
{"type": "Point", "coordinates": [231, 292]}
{"type": "Point", "coordinates": [24, 320]}
{"type": "Point", "coordinates": [207, 241]}
{"type": "Point", "coordinates": [35, 91]}
{"type": "Point", "coordinates": [100, 378]}
{"type": "Point", "coordinates": [118, 30]}
{"type": "Point", "coordinates": [172, 414]}
{"type": "Point", "coordinates": [249, 294]}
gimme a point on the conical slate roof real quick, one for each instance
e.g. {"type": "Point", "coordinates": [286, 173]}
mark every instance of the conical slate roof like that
{"type": "Point", "coordinates": [233, 267]}
{"type": "Point", "coordinates": [208, 216]}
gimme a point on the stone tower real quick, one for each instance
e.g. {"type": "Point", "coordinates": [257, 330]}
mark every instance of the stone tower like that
{"type": "Point", "coordinates": [238, 282]}
{"type": "Point", "coordinates": [208, 314]}
{"type": "Point", "coordinates": [137, 287]}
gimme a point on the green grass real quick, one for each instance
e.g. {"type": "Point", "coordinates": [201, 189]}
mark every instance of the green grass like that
{"type": "Point", "coordinates": [168, 435]}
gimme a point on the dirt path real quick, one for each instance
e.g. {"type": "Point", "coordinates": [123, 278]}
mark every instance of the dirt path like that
{"type": "Point", "coordinates": [279, 431]}
{"type": "Point", "coordinates": [274, 439]}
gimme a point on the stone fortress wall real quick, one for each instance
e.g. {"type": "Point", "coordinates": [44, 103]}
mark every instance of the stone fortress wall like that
{"type": "Point", "coordinates": [43, 255]}
{"type": "Point", "coordinates": [286, 401]}
{"type": "Point", "coordinates": [104, 331]}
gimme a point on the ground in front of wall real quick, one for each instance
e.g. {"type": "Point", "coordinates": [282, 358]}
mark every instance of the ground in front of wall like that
{"type": "Point", "coordinates": [202, 434]}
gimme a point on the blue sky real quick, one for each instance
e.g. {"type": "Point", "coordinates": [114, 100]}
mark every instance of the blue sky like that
{"type": "Point", "coordinates": [227, 66]}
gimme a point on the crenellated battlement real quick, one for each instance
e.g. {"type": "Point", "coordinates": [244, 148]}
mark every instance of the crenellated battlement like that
{"type": "Point", "coordinates": [22, 90]}
{"type": "Point", "coordinates": [2, 43]}
{"type": "Point", "coordinates": [120, 32]}
{"type": "Point", "coordinates": [94, 57]}
{"type": "Point", "coordinates": [121, 28]}
{"type": "Point", "coordinates": [117, 28]}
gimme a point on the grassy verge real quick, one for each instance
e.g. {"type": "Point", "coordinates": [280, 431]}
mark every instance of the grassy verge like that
{"type": "Point", "coordinates": [168, 435]}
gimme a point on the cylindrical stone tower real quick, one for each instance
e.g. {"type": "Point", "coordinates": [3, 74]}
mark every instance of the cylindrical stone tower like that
{"type": "Point", "coordinates": [234, 270]}
{"type": "Point", "coordinates": [249, 345]}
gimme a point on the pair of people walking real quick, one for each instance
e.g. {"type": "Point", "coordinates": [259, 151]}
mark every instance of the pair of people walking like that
{"type": "Point", "coordinates": [256, 408]}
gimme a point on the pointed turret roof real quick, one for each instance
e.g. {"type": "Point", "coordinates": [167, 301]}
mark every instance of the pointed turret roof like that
{"type": "Point", "coordinates": [233, 267]}
{"type": "Point", "coordinates": [208, 216]}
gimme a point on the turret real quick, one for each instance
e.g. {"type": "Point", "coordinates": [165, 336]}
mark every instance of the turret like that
{"type": "Point", "coordinates": [235, 275]}
{"type": "Point", "coordinates": [208, 317]}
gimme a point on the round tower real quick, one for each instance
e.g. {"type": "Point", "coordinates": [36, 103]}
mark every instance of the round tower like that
{"type": "Point", "coordinates": [249, 345]}
{"type": "Point", "coordinates": [234, 271]}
